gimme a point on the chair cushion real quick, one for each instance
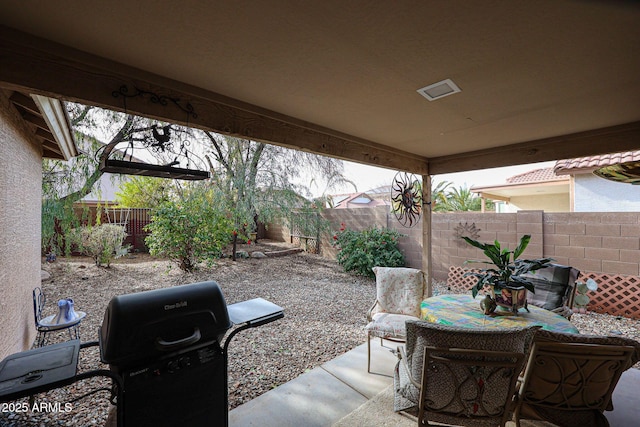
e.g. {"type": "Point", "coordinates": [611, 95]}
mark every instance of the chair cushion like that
{"type": "Point", "coordinates": [399, 290]}
{"type": "Point", "coordinates": [543, 335]}
{"type": "Point", "coordinates": [579, 416]}
{"type": "Point", "coordinates": [552, 285]}
{"type": "Point", "coordinates": [388, 325]}
{"type": "Point", "coordinates": [469, 384]}
{"type": "Point", "coordinates": [421, 333]}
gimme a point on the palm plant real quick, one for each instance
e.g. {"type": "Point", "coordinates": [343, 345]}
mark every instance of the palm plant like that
{"type": "Point", "coordinates": [461, 199]}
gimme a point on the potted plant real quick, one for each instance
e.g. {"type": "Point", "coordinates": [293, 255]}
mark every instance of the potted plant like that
{"type": "Point", "coordinates": [507, 287]}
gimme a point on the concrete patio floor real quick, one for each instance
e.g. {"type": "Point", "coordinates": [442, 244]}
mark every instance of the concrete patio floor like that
{"type": "Point", "coordinates": [326, 394]}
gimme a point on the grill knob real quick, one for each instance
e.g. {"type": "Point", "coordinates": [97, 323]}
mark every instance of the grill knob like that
{"type": "Point", "coordinates": [185, 362]}
{"type": "Point", "coordinates": [173, 366]}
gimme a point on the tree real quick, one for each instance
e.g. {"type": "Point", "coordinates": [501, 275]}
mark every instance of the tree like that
{"type": "Point", "coordinates": [439, 195]}
{"type": "Point", "coordinates": [143, 192]}
{"type": "Point", "coordinates": [188, 231]}
{"type": "Point", "coordinates": [463, 199]}
{"type": "Point", "coordinates": [64, 183]}
{"type": "Point", "coordinates": [257, 180]}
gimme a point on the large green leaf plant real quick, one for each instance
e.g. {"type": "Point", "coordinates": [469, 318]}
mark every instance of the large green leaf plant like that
{"type": "Point", "coordinates": [508, 268]}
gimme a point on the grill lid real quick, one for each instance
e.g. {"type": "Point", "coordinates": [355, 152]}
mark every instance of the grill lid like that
{"type": "Point", "coordinates": [144, 326]}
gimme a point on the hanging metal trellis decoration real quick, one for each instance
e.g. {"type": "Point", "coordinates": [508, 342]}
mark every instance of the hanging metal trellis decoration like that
{"type": "Point", "coordinates": [406, 198]}
{"type": "Point", "coordinates": [160, 140]}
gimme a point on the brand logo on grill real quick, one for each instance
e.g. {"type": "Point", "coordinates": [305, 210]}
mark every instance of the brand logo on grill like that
{"type": "Point", "coordinates": [176, 305]}
{"type": "Point", "coordinates": [141, 371]}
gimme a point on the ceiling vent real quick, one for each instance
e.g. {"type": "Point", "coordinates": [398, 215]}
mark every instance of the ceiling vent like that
{"type": "Point", "coordinates": [439, 90]}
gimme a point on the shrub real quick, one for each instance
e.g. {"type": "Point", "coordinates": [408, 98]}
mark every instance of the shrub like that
{"type": "Point", "coordinates": [189, 231]}
{"type": "Point", "coordinates": [360, 251]}
{"type": "Point", "coordinates": [101, 242]}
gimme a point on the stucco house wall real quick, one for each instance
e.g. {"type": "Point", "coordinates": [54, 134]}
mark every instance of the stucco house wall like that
{"type": "Point", "coordinates": [20, 201]}
{"type": "Point", "coordinates": [546, 202]}
{"type": "Point", "coordinates": [594, 194]}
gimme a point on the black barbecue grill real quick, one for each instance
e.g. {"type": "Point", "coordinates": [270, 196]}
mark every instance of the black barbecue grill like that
{"type": "Point", "coordinates": [165, 352]}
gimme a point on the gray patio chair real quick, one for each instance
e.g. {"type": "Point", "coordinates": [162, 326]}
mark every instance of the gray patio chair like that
{"type": "Point", "coordinates": [495, 356]}
{"type": "Point", "coordinates": [555, 288]}
{"type": "Point", "coordinates": [570, 378]}
{"type": "Point", "coordinates": [399, 292]}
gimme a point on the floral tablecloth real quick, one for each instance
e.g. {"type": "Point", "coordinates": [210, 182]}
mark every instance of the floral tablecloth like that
{"type": "Point", "coordinates": [464, 311]}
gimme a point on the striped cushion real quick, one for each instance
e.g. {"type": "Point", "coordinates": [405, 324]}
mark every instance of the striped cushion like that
{"type": "Point", "coordinates": [553, 286]}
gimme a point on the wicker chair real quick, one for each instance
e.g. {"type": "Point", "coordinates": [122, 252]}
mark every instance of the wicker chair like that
{"type": "Point", "coordinates": [399, 292]}
{"type": "Point", "coordinates": [570, 378]}
{"type": "Point", "coordinates": [456, 360]}
{"type": "Point", "coordinates": [555, 288]}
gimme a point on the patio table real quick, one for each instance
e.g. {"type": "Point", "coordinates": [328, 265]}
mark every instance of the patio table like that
{"type": "Point", "coordinates": [464, 311]}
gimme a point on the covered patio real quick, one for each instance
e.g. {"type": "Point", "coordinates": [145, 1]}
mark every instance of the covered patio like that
{"type": "Point", "coordinates": [342, 393]}
{"type": "Point", "coordinates": [419, 86]}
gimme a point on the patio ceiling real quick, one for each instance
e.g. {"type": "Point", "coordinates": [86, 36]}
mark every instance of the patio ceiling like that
{"type": "Point", "coordinates": [540, 80]}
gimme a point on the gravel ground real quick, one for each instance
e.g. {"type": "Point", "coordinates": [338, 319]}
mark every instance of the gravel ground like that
{"type": "Point", "coordinates": [324, 316]}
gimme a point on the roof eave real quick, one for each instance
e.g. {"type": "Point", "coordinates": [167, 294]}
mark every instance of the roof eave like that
{"type": "Point", "coordinates": [57, 120]}
{"type": "Point", "coordinates": [518, 185]}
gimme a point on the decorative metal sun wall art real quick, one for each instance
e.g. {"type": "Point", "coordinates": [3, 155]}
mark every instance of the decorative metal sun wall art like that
{"type": "Point", "coordinates": [406, 198]}
{"type": "Point", "coordinates": [162, 141]}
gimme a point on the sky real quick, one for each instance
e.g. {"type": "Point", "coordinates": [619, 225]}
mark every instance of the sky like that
{"type": "Point", "coordinates": [368, 177]}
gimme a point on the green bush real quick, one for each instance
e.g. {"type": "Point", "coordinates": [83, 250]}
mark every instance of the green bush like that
{"type": "Point", "coordinates": [360, 251]}
{"type": "Point", "coordinates": [189, 231]}
{"type": "Point", "coordinates": [101, 242]}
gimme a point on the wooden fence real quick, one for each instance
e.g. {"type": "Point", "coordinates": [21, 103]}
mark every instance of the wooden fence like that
{"type": "Point", "coordinates": [133, 219]}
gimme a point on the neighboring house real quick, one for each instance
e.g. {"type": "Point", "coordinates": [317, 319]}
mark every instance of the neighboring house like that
{"type": "Point", "coordinates": [569, 186]}
{"type": "Point", "coordinates": [590, 193]}
{"type": "Point", "coordinates": [539, 189]}
{"type": "Point", "coordinates": [30, 128]}
{"type": "Point", "coordinates": [104, 190]}
{"type": "Point", "coordinates": [381, 193]}
{"type": "Point", "coordinates": [359, 200]}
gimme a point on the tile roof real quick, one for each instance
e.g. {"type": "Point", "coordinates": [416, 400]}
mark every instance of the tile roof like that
{"type": "Point", "coordinates": [536, 175]}
{"type": "Point", "coordinates": [588, 164]}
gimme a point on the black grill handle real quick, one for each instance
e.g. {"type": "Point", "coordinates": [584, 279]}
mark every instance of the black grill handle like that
{"type": "Point", "coordinates": [163, 345]}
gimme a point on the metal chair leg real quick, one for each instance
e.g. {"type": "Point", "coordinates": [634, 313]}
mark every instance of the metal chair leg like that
{"type": "Point", "coordinates": [41, 339]}
{"type": "Point", "coordinates": [368, 352]}
{"type": "Point", "coordinates": [76, 332]}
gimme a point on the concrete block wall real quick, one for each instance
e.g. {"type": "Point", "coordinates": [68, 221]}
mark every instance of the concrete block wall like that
{"type": "Point", "coordinates": [357, 219]}
{"type": "Point", "coordinates": [605, 242]}
{"type": "Point", "coordinates": [353, 219]}
{"type": "Point", "coordinates": [20, 219]}
{"type": "Point", "coordinates": [447, 228]}
{"type": "Point", "coordinates": [411, 244]}
{"type": "Point", "coordinates": [600, 242]}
